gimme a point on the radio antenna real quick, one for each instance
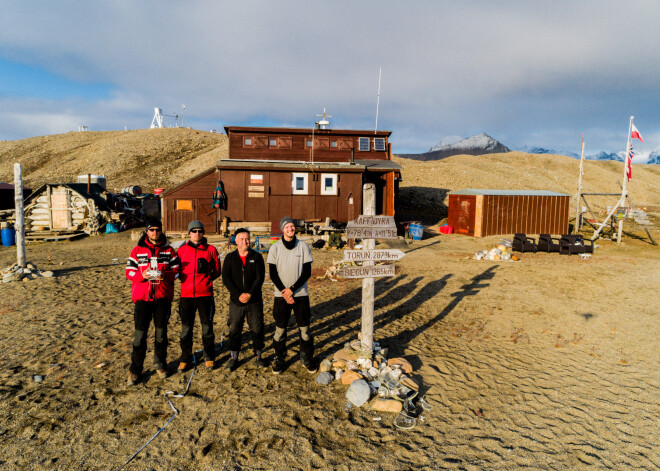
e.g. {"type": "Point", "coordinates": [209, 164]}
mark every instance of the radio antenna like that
{"type": "Point", "coordinates": [380, 69]}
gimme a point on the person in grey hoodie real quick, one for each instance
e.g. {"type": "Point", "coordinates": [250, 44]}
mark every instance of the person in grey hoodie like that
{"type": "Point", "coordinates": [290, 266]}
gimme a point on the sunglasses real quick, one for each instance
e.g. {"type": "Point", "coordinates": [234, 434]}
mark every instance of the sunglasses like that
{"type": "Point", "coordinates": [197, 231]}
{"type": "Point", "coordinates": [152, 229]}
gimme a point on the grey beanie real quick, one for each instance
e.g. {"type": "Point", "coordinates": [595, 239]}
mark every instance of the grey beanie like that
{"type": "Point", "coordinates": [195, 225]}
{"type": "Point", "coordinates": [284, 221]}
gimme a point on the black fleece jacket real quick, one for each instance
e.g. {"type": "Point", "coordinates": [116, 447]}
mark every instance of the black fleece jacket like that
{"type": "Point", "coordinates": [241, 279]}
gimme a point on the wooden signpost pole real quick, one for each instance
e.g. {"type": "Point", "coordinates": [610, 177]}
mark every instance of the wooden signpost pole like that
{"type": "Point", "coordinates": [20, 218]}
{"type": "Point", "coordinates": [369, 209]}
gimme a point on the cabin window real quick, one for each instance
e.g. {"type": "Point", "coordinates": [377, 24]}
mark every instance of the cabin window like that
{"type": "Point", "coordinates": [299, 183]}
{"type": "Point", "coordinates": [333, 144]}
{"type": "Point", "coordinates": [379, 143]}
{"type": "Point", "coordinates": [183, 205]}
{"type": "Point", "coordinates": [308, 143]}
{"type": "Point", "coordinates": [272, 142]}
{"type": "Point", "coordinates": [247, 142]}
{"type": "Point", "coordinates": [328, 183]}
{"type": "Point", "coordinates": [363, 144]}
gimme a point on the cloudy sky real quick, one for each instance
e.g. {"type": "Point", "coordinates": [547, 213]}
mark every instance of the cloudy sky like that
{"type": "Point", "coordinates": [533, 73]}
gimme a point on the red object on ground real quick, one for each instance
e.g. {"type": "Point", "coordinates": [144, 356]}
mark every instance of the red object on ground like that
{"type": "Point", "coordinates": [446, 229]}
{"type": "Point", "coordinates": [158, 191]}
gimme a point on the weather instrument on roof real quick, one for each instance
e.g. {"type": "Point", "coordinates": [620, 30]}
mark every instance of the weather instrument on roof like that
{"type": "Point", "coordinates": [323, 122]}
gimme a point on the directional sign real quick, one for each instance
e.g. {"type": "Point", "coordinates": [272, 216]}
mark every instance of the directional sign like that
{"type": "Point", "coordinates": [362, 255]}
{"type": "Point", "coordinates": [366, 272]}
{"type": "Point", "coordinates": [371, 232]}
{"type": "Point", "coordinates": [373, 221]}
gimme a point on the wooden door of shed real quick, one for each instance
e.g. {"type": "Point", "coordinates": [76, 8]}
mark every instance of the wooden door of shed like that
{"type": "Point", "coordinates": [59, 203]}
{"type": "Point", "coordinates": [256, 196]}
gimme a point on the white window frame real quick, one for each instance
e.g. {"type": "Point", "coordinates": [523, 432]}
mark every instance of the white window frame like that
{"type": "Point", "coordinates": [382, 140]}
{"type": "Point", "coordinates": [363, 148]}
{"type": "Point", "coordinates": [273, 142]}
{"type": "Point", "coordinates": [247, 142]}
{"type": "Point", "coordinates": [333, 189]}
{"type": "Point", "coordinates": [305, 177]}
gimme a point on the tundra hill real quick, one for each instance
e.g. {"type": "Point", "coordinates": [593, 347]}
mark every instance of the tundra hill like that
{"type": "Point", "coordinates": [425, 185]}
{"type": "Point", "coordinates": [150, 158]}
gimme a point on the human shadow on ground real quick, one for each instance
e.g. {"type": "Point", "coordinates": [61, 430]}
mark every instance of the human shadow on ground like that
{"type": "Point", "coordinates": [66, 271]}
{"type": "Point", "coordinates": [470, 289]}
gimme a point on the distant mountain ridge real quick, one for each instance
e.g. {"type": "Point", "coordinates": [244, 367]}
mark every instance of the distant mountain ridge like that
{"type": "Point", "coordinates": [476, 145]}
{"type": "Point", "coordinates": [484, 144]}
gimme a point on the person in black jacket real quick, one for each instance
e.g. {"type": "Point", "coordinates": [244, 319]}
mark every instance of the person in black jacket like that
{"type": "Point", "coordinates": [243, 274]}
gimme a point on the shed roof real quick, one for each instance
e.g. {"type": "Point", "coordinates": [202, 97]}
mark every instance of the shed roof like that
{"type": "Point", "coordinates": [507, 192]}
{"type": "Point", "coordinates": [359, 165]}
{"type": "Point", "coordinates": [320, 132]}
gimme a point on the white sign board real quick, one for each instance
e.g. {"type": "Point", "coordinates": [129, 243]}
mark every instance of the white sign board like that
{"type": "Point", "coordinates": [370, 232]}
{"type": "Point", "coordinates": [367, 272]}
{"type": "Point", "coordinates": [377, 255]}
{"type": "Point", "coordinates": [371, 221]}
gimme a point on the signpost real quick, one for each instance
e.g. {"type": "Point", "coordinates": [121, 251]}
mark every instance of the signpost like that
{"type": "Point", "coordinates": [370, 227]}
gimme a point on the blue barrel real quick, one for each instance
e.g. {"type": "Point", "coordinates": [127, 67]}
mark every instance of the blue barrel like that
{"type": "Point", "coordinates": [8, 236]}
{"type": "Point", "coordinates": [416, 231]}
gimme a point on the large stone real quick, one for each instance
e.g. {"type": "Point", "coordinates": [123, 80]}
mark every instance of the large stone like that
{"type": "Point", "coordinates": [350, 376]}
{"type": "Point", "coordinates": [339, 364]}
{"type": "Point", "coordinates": [358, 392]}
{"type": "Point", "coordinates": [406, 367]}
{"type": "Point", "coordinates": [346, 354]}
{"type": "Point", "coordinates": [326, 365]}
{"type": "Point", "coordinates": [387, 405]}
{"type": "Point", "coordinates": [409, 383]}
{"type": "Point", "coordinates": [324, 378]}
{"type": "Point", "coordinates": [47, 274]}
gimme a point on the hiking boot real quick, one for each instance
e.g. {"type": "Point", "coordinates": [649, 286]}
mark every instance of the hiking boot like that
{"type": "Point", "coordinates": [132, 379]}
{"type": "Point", "coordinates": [231, 364]}
{"type": "Point", "coordinates": [210, 365]}
{"type": "Point", "coordinates": [162, 373]}
{"type": "Point", "coordinates": [259, 362]}
{"type": "Point", "coordinates": [278, 366]}
{"type": "Point", "coordinates": [309, 365]}
{"type": "Point", "coordinates": [183, 367]}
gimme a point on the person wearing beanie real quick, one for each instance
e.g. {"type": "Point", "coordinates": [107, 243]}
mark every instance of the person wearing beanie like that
{"type": "Point", "coordinates": [200, 265]}
{"type": "Point", "coordinates": [243, 273]}
{"type": "Point", "coordinates": [290, 266]}
{"type": "Point", "coordinates": [152, 268]}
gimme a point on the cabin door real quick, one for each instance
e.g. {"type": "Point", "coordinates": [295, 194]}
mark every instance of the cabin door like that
{"type": "Point", "coordinates": [256, 196]}
{"type": "Point", "coordinates": [59, 203]}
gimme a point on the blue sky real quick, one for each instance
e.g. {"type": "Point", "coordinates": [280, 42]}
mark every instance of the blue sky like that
{"type": "Point", "coordinates": [527, 73]}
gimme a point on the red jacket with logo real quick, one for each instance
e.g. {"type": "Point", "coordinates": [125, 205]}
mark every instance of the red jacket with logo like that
{"type": "Point", "coordinates": [200, 265]}
{"type": "Point", "coordinates": [167, 262]}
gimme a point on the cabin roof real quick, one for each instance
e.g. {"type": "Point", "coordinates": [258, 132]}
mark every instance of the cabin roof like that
{"type": "Point", "coordinates": [507, 192]}
{"type": "Point", "coordinates": [307, 131]}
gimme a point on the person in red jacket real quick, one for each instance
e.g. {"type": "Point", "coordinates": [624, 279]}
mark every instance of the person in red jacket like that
{"type": "Point", "coordinates": [152, 268]}
{"type": "Point", "coordinates": [200, 265]}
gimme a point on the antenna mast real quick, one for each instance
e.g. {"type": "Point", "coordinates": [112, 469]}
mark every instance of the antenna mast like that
{"type": "Point", "coordinates": [380, 69]}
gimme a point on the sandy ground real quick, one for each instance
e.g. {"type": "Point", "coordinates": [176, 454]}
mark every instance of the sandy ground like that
{"type": "Point", "coordinates": [551, 362]}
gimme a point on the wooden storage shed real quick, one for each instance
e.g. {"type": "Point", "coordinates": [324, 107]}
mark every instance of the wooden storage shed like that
{"type": "Point", "coordinates": [482, 213]}
{"type": "Point", "coordinates": [276, 172]}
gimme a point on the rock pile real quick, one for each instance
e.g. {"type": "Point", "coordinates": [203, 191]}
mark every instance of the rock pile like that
{"type": "Point", "coordinates": [30, 272]}
{"type": "Point", "coordinates": [387, 381]}
{"type": "Point", "coordinates": [501, 252]}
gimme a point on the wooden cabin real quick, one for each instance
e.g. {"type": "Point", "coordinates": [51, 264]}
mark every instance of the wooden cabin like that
{"type": "Point", "coordinates": [65, 207]}
{"type": "Point", "coordinates": [482, 213]}
{"type": "Point", "coordinates": [310, 174]}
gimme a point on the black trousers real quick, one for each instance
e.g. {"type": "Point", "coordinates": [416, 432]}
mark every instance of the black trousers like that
{"type": "Point", "coordinates": [205, 305]}
{"type": "Point", "coordinates": [282, 313]}
{"type": "Point", "coordinates": [143, 312]}
{"type": "Point", "coordinates": [255, 317]}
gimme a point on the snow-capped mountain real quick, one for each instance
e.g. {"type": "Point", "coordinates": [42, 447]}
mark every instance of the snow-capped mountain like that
{"type": "Point", "coordinates": [475, 145]}
{"type": "Point", "coordinates": [447, 141]}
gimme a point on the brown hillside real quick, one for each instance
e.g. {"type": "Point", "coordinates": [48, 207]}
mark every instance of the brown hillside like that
{"type": "Point", "coordinates": [153, 158]}
{"type": "Point", "coordinates": [150, 158]}
{"type": "Point", "coordinates": [426, 184]}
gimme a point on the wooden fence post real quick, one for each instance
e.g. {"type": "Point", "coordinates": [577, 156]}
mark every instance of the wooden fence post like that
{"type": "Point", "coordinates": [368, 209]}
{"type": "Point", "coordinates": [20, 217]}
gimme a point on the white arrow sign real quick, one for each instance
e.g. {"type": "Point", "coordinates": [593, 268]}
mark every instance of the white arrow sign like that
{"type": "Point", "coordinates": [371, 232]}
{"type": "Point", "coordinates": [367, 272]}
{"type": "Point", "coordinates": [362, 255]}
{"type": "Point", "coordinates": [371, 221]}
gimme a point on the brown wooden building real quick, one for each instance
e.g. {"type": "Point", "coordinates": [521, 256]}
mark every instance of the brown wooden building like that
{"type": "Point", "coordinates": [277, 172]}
{"type": "Point", "coordinates": [482, 213]}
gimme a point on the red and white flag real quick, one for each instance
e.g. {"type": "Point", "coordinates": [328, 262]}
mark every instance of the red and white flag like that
{"type": "Point", "coordinates": [635, 133]}
{"type": "Point", "coordinates": [629, 169]}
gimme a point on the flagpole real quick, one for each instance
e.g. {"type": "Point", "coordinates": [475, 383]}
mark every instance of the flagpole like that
{"type": "Point", "coordinates": [578, 222]}
{"type": "Point", "coordinates": [624, 192]}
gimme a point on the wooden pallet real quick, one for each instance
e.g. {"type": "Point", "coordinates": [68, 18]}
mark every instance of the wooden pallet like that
{"type": "Point", "coordinates": [52, 236]}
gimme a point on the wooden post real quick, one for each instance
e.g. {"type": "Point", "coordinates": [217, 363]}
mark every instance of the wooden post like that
{"type": "Point", "coordinates": [20, 217]}
{"type": "Point", "coordinates": [577, 227]}
{"type": "Point", "coordinates": [368, 209]}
